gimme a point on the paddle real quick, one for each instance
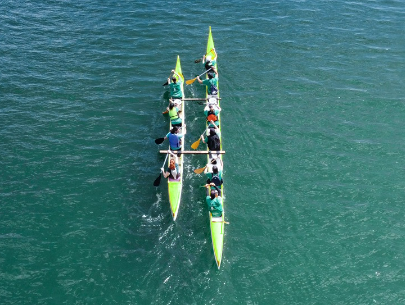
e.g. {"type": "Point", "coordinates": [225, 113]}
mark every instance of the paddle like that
{"type": "Point", "coordinates": [222, 222]}
{"type": "Point", "coordinates": [157, 181]}
{"type": "Point", "coordinates": [190, 81]}
{"type": "Point", "coordinates": [167, 111]}
{"type": "Point", "coordinates": [196, 143]}
{"type": "Point", "coordinates": [200, 170]}
{"type": "Point", "coordinates": [166, 83]}
{"type": "Point", "coordinates": [159, 140]}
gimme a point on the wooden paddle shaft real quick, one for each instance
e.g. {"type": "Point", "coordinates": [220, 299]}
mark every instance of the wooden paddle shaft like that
{"type": "Point", "coordinates": [193, 152]}
{"type": "Point", "coordinates": [199, 99]}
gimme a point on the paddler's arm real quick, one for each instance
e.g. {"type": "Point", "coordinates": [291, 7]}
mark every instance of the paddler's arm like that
{"type": "Point", "coordinates": [166, 111]}
{"type": "Point", "coordinates": [215, 126]}
{"type": "Point", "coordinates": [216, 187]}
{"type": "Point", "coordinates": [176, 74]}
{"type": "Point", "coordinates": [199, 80]}
{"type": "Point", "coordinates": [165, 174]}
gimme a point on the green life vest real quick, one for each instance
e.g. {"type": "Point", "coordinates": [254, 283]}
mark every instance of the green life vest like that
{"type": "Point", "coordinates": [173, 114]}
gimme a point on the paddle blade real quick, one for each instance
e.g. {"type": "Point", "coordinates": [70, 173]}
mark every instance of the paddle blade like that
{"type": "Point", "coordinates": [195, 144]}
{"type": "Point", "coordinates": [198, 60]}
{"type": "Point", "coordinates": [190, 81]}
{"type": "Point", "coordinates": [200, 170]}
{"type": "Point", "coordinates": [157, 181]}
{"type": "Point", "coordinates": [159, 141]}
{"type": "Point", "coordinates": [165, 84]}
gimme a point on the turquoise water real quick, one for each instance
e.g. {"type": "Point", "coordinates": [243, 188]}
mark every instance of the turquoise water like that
{"type": "Point", "coordinates": [312, 124]}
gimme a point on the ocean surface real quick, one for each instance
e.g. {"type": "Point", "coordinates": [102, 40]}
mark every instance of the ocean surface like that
{"type": "Point", "coordinates": [313, 111]}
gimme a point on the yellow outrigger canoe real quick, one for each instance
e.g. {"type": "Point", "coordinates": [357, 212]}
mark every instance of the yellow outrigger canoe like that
{"type": "Point", "coordinates": [217, 224]}
{"type": "Point", "coordinates": [175, 185]}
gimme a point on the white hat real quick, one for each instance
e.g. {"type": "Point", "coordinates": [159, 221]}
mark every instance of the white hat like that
{"type": "Point", "coordinates": [208, 58]}
{"type": "Point", "coordinates": [208, 132]}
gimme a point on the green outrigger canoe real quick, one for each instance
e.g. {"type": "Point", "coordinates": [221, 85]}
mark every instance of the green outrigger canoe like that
{"type": "Point", "coordinates": [217, 224]}
{"type": "Point", "coordinates": [175, 185]}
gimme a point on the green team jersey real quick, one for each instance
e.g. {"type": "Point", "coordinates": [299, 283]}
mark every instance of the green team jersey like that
{"type": "Point", "coordinates": [215, 206]}
{"type": "Point", "coordinates": [175, 89]}
{"type": "Point", "coordinates": [209, 82]}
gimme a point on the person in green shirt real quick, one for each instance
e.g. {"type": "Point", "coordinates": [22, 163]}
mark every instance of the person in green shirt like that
{"type": "Point", "coordinates": [216, 178]}
{"type": "Point", "coordinates": [175, 86]}
{"type": "Point", "coordinates": [211, 82]}
{"type": "Point", "coordinates": [210, 62]}
{"type": "Point", "coordinates": [214, 201]}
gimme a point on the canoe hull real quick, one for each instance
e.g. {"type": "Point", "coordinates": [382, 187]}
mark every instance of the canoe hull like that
{"type": "Point", "coordinates": [216, 223]}
{"type": "Point", "coordinates": [175, 187]}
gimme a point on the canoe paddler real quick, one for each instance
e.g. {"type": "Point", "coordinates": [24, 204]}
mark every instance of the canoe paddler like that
{"type": "Point", "coordinates": [210, 62]}
{"type": "Point", "coordinates": [214, 201]}
{"type": "Point", "coordinates": [215, 177]}
{"type": "Point", "coordinates": [173, 168]}
{"type": "Point", "coordinates": [212, 115]}
{"type": "Point", "coordinates": [174, 114]}
{"type": "Point", "coordinates": [218, 162]}
{"type": "Point", "coordinates": [212, 138]}
{"type": "Point", "coordinates": [211, 82]}
{"type": "Point", "coordinates": [175, 138]}
{"type": "Point", "coordinates": [175, 86]}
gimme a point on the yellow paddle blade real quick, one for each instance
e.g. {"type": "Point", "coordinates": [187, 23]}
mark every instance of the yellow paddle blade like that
{"type": "Point", "coordinates": [199, 170]}
{"type": "Point", "coordinates": [190, 81]}
{"type": "Point", "coordinates": [195, 144]}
